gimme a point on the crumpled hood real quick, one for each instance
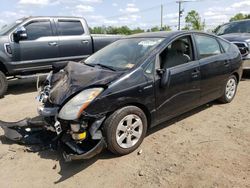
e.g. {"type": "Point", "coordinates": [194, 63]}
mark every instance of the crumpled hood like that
{"type": "Point", "coordinates": [75, 77]}
{"type": "Point", "coordinates": [237, 37]}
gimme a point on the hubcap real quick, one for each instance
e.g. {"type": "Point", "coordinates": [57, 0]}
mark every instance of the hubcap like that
{"type": "Point", "coordinates": [129, 131]}
{"type": "Point", "coordinates": [231, 88]}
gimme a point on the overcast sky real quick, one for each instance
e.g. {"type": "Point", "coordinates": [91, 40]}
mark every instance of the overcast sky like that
{"type": "Point", "coordinates": [134, 13]}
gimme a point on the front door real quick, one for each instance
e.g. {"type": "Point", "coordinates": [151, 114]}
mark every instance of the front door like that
{"type": "Point", "coordinates": [40, 48]}
{"type": "Point", "coordinates": [182, 91]}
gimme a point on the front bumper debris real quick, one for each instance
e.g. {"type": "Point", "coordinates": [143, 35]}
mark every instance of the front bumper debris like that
{"type": "Point", "coordinates": [27, 131]}
{"type": "Point", "coordinates": [100, 145]}
{"type": "Point", "coordinates": [37, 133]}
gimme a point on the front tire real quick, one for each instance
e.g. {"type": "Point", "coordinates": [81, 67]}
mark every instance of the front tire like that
{"type": "Point", "coordinates": [125, 130]}
{"type": "Point", "coordinates": [230, 90]}
{"type": "Point", "coordinates": [3, 84]}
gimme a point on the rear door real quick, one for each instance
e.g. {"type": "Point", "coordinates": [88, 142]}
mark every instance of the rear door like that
{"type": "Point", "coordinates": [39, 50]}
{"type": "Point", "coordinates": [214, 66]}
{"type": "Point", "coordinates": [74, 39]}
{"type": "Point", "coordinates": [183, 90]}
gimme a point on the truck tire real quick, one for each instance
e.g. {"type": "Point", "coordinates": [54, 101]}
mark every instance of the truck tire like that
{"type": "Point", "coordinates": [3, 84]}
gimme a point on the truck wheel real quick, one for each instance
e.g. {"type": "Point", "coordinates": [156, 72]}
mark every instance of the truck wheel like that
{"type": "Point", "coordinates": [3, 84]}
{"type": "Point", "coordinates": [125, 130]}
{"type": "Point", "coordinates": [229, 90]}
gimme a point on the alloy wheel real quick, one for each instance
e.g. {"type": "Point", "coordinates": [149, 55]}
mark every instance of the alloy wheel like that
{"type": "Point", "coordinates": [231, 88]}
{"type": "Point", "coordinates": [129, 131]}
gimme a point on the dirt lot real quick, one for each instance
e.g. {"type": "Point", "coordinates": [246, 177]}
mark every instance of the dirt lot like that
{"type": "Point", "coordinates": [208, 147]}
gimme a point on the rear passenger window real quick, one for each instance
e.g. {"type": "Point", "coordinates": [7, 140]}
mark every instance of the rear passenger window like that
{"type": "Point", "coordinates": [38, 29]}
{"type": "Point", "coordinates": [225, 45]}
{"type": "Point", "coordinates": [70, 27]}
{"type": "Point", "coordinates": [207, 46]}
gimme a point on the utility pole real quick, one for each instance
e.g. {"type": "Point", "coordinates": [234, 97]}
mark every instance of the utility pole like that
{"type": "Point", "coordinates": [161, 16]}
{"type": "Point", "coordinates": [182, 10]}
{"type": "Point", "coordinates": [180, 14]}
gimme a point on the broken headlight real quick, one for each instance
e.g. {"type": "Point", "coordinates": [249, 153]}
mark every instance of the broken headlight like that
{"type": "Point", "coordinates": [74, 107]}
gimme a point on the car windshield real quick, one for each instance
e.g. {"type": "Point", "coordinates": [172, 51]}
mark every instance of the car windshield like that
{"type": "Point", "coordinates": [6, 28]}
{"type": "Point", "coordinates": [234, 27]}
{"type": "Point", "coordinates": [123, 54]}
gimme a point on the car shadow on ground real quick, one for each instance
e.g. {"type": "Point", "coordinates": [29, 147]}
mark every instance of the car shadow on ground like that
{"type": "Point", "coordinates": [67, 170]}
{"type": "Point", "coordinates": [246, 75]}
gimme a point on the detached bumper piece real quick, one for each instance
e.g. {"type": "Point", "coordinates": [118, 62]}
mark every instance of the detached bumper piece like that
{"type": "Point", "coordinates": [79, 151]}
{"type": "Point", "coordinates": [35, 134]}
{"type": "Point", "coordinates": [27, 131]}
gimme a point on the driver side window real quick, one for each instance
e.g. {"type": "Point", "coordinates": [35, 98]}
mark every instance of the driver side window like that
{"type": "Point", "coordinates": [177, 53]}
{"type": "Point", "coordinates": [37, 29]}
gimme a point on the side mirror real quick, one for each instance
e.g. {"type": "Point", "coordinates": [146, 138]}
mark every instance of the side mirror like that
{"type": "Point", "coordinates": [20, 34]}
{"type": "Point", "coordinates": [165, 77]}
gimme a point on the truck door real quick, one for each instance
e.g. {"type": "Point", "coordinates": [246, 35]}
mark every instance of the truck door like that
{"type": "Point", "coordinates": [40, 48]}
{"type": "Point", "coordinates": [74, 39]}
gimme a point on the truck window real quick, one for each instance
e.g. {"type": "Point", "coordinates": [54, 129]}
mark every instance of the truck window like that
{"type": "Point", "coordinates": [37, 29]}
{"type": "Point", "coordinates": [70, 27]}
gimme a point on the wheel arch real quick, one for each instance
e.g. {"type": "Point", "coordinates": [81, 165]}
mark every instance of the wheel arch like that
{"type": "Point", "coordinates": [3, 68]}
{"type": "Point", "coordinates": [237, 76]}
{"type": "Point", "coordinates": [138, 105]}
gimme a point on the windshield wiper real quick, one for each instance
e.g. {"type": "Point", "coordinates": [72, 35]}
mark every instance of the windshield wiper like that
{"type": "Point", "coordinates": [105, 66]}
{"type": "Point", "coordinates": [91, 65]}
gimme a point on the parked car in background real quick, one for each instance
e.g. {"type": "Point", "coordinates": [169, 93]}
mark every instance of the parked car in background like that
{"type": "Point", "coordinates": [238, 32]}
{"type": "Point", "coordinates": [31, 45]}
{"type": "Point", "coordinates": [114, 96]}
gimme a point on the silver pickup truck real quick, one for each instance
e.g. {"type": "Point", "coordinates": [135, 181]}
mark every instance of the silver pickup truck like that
{"type": "Point", "coordinates": [31, 45]}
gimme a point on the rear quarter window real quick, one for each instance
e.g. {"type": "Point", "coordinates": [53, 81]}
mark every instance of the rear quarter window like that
{"type": "Point", "coordinates": [225, 45]}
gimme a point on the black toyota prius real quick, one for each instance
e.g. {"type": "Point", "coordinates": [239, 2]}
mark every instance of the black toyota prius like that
{"type": "Point", "coordinates": [113, 97]}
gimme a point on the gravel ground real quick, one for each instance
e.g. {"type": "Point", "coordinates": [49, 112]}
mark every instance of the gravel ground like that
{"type": "Point", "coordinates": [207, 147]}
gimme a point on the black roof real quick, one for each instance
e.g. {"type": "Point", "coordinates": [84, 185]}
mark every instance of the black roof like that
{"type": "Point", "coordinates": [164, 34]}
{"type": "Point", "coordinates": [245, 20]}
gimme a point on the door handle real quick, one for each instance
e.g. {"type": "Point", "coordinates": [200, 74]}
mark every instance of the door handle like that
{"type": "Point", "coordinates": [196, 73]}
{"type": "Point", "coordinates": [226, 63]}
{"type": "Point", "coordinates": [85, 42]}
{"type": "Point", "coordinates": [52, 43]}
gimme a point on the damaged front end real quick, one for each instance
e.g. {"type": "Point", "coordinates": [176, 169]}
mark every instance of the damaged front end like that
{"type": "Point", "coordinates": [62, 121]}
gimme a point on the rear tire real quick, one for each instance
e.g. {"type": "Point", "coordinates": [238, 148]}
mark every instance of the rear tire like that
{"type": "Point", "coordinates": [230, 90]}
{"type": "Point", "coordinates": [125, 129]}
{"type": "Point", "coordinates": [3, 84]}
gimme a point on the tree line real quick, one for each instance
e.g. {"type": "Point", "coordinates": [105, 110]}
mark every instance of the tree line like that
{"type": "Point", "coordinates": [193, 21]}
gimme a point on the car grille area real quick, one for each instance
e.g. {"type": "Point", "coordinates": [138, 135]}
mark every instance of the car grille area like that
{"type": "Point", "coordinates": [243, 47]}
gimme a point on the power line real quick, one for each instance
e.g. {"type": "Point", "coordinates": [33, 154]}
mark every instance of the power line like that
{"type": "Point", "coordinates": [140, 11]}
{"type": "Point", "coordinates": [182, 10]}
